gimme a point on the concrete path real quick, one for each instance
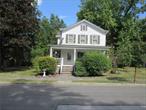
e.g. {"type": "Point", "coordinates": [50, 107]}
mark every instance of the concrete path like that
{"type": "Point", "coordinates": [51, 97]}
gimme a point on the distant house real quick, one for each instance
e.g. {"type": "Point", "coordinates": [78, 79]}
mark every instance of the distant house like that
{"type": "Point", "coordinates": [74, 40]}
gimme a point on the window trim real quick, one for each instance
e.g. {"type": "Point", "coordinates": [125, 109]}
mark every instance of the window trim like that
{"type": "Point", "coordinates": [68, 39]}
{"type": "Point", "coordinates": [97, 39]}
{"type": "Point", "coordinates": [84, 27]}
{"type": "Point", "coordinates": [80, 39]}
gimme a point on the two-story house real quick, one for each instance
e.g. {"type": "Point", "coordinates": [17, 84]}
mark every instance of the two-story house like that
{"type": "Point", "coordinates": [74, 40]}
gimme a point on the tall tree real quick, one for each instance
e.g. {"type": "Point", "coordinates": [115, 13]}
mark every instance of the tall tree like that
{"type": "Point", "coordinates": [18, 25]}
{"type": "Point", "coordinates": [120, 18]}
{"type": "Point", "coordinates": [55, 25]}
{"type": "Point", "coordinates": [46, 35]}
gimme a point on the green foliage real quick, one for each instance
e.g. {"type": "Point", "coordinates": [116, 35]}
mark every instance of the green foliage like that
{"type": "Point", "coordinates": [18, 26]}
{"type": "Point", "coordinates": [92, 64]}
{"type": "Point", "coordinates": [39, 52]}
{"type": "Point", "coordinates": [80, 69]}
{"type": "Point", "coordinates": [126, 31]}
{"type": "Point", "coordinates": [46, 35]}
{"type": "Point", "coordinates": [45, 63]}
{"type": "Point", "coordinates": [96, 63]}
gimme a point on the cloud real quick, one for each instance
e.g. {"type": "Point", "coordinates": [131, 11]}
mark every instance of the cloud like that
{"type": "Point", "coordinates": [62, 17]}
{"type": "Point", "coordinates": [39, 2]}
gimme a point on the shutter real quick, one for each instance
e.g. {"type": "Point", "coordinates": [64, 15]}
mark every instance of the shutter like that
{"type": "Point", "coordinates": [66, 38]}
{"type": "Point", "coordinates": [98, 39]}
{"type": "Point", "coordinates": [74, 38]}
{"type": "Point", "coordinates": [78, 39]}
{"type": "Point", "coordinates": [90, 39]}
{"type": "Point", "coordinates": [86, 39]}
{"type": "Point", "coordinates": [86, 27]}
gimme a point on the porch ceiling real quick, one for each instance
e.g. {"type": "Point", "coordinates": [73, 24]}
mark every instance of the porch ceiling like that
{"type": "Point", "coordinates": [79, 47]}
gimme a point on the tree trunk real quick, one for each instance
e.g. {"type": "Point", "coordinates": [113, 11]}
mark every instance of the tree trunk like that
{"type": "Point", "coordinates": [135, 75]}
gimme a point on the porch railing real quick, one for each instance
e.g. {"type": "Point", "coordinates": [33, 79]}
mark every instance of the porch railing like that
{"type": "Point", "coordinates": [60, 63]}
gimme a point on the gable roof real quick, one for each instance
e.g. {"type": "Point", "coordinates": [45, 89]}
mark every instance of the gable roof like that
{"type": "Point", "coordinates": [89, 23]}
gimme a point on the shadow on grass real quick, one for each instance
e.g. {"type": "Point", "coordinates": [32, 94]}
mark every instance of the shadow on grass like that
{"type": "Point", "coordinates": [13, 69]}
{"type": "Point", "coordinates": [117, 79]}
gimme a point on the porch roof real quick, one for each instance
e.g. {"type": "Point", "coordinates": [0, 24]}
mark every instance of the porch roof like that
{"type": "Point", "coordinates": [79, 47]}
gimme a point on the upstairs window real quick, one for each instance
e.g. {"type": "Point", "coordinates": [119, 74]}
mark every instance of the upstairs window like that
{"type": "Point", "coordinates": [94, 39]}
{"type": "Point", "coordinates": [83, 27]}
{"type": "Point", "coordinates": [82, 39]}
{"type": "Point", "coordinates": [70, 38]}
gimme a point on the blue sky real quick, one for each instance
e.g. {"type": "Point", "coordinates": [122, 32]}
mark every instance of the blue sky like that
{"type": "Point", "coordinates": [65, 9]}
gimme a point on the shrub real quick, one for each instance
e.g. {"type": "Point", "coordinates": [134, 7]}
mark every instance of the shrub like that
{"type": "Point", "coordinates": [96, 63]}
{"type": "Point", "coordinates": [46, 62]}
{"type": "Point", "coordinates": [80, 69]}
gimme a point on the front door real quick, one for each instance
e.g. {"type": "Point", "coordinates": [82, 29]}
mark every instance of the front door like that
{"type": "Point", "coordinates": [68, 56]}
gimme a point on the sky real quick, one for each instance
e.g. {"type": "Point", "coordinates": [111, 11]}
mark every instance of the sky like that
{"type": "Point", "coordinates": [65, 9]}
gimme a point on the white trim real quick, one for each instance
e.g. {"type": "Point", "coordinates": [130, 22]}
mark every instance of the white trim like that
{"type": "Point", "coordinates": [75, 52]}
{"type": "Point", "coordinates": [65, 65]}
{"type": "Point", "coordinates": [91, 24]}
{"type": "Point", "coordinates": [51, 51]}
{"type": "Point", "coordinates": [79, 48]}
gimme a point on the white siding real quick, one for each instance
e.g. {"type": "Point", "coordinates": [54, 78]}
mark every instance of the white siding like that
{"type": "Point", "coordinates": [90, 31]}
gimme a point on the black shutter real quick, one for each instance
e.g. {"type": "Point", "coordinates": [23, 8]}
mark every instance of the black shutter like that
{"type": "Point", "coordinates": [98, 39]}
{"type": "Point", "coordinates": [66, 38]}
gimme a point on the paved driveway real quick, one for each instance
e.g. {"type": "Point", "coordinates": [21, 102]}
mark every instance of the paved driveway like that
{"type": "Point", "coordinates": [54, 97]}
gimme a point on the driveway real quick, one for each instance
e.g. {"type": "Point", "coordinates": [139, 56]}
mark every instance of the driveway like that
{"type": "Point", "coordinates": [70, 97]}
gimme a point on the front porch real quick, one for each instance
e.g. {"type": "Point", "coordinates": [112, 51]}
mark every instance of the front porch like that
{"type": "Point", "coordinates": [67, 54]}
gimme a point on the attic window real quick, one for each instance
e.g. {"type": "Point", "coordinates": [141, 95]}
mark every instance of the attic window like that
{"type": "Point", "coordinates": [83, 27]}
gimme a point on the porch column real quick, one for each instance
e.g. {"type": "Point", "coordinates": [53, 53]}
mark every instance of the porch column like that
{"type": "Point", "coordinates": [50, 51]}
{"type": "Point", "coordinates": [75, 51]}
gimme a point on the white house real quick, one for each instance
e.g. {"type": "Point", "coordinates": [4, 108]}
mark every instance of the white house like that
{"type": "Point", "coordinates": [74, 40]}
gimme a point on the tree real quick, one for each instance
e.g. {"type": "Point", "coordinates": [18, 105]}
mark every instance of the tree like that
{"type": "Point", "coordinates": [19, 23]}
{"type": "Point", "coordinates": [55, 25]}
{"type": "Point", "coordinates": [46, 35]}
{"type": "Point", "coordinates": [120, 18]}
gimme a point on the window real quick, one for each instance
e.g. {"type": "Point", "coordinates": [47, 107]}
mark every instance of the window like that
{"type": "Point", "coordinates": [83, 27]}
{"type": "Point", "coordinates": [82, 39]}
{"type": "Point", "coordinates": [57, 53]}
{"type": "Point", "coordinates": [68, 56]}
{"type": "Point", "coordinates": [70, 38]}
{"type": "Point", "coordinates": [94, 39]}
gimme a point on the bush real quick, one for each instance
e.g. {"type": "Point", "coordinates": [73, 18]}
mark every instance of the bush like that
{"type": "Point", "coordinates": [80, 69]}
{"type": "Point", "coordinates": [96, 63]}
{"type": "Point", "coordinates": [46, 62]}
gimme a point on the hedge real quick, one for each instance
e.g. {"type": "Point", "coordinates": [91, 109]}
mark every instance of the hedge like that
{"type": "Point", "coordinates": [46, 62]}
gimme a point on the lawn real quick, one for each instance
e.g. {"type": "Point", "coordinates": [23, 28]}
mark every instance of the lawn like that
{"type": "Point", "coordinates": [23, 76]}
{"type": "Point", "coordinates": [124, 75]}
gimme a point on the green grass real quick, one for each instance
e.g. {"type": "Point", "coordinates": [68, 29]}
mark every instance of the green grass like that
{"type": "Point", "coordinates": [125, 75]}
{"type": "Point", "coordinates": [24, 76]}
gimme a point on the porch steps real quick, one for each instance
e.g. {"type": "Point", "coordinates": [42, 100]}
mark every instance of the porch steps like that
{"type": "Point", "coordinates": [67, 69]}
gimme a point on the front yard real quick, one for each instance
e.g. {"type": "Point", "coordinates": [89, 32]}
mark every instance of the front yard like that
{"type": "Point", "coordinates": [125, 75]}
